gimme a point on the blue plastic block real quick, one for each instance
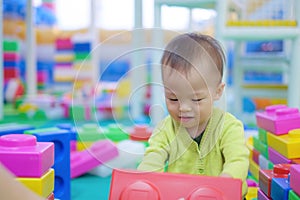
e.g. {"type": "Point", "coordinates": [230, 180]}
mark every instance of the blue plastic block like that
{"type": "Point", "coordinates": [69, 127]}
{"type": "Point", "coordinates": [82, 47]}
{"type": "Point", "coordinates": [14, 128]}
{"type": "Point", "coordinates": [61, 140]}
{"type": "Point", "coordinates": [280, 189]}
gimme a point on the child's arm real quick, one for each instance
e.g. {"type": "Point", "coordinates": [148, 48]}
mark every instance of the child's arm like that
{"type": "Point", "coordinates": [12, 189]}
{"type": "Point", "coordinates": [156, 154]}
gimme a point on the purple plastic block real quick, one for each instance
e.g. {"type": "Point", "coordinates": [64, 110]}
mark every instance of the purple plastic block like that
{"type": "Point", "coordinates": [278, 119]}
{"type": "Point", "coordinates": [261, 195]}
{"type": "Point", "coordinates": [24, 156]}
{"type": "Point", "coordinates": [295, 178]}
{"type": "Point", "coordinates": [277, 158]}
{"type": "Point", "coordinates": [99, 153]}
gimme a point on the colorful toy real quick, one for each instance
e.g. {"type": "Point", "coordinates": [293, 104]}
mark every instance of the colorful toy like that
{"type": "Point", "coordinates": [280, 189]}
{"type": "Point", "coordinates": [61, 140]}
{"type": "Point", "coordinates": [287, 145]}
{"type": "Point", "coordinates": [116, 133]}
{"type": "Point", "coordinates": [276, 157]}
{"type": "Point", "coordinates": [295, 178]}
{"type": "Point", "coordinates": [140, 133]}
{"type": "Point", "coordinates": [43, 186]}
{"type": "Point", "coordinates": [17, 149]}
{"type": "Point", "coordinates": [278, 119]}
{"type": "Point", "coordinates": [262, 196]}
{"type": "Point", "coordinates": [127, 185]}
{"type": "Point", "coordinates": [266, 177]}
{"type": "Point", "coordinates": [99, 153]}
{"type": "Point", "coordinates": [293, 195]}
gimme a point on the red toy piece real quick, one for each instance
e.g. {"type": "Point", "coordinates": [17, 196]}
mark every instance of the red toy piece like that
{"type": "Point", "coordinates": [140, 133]}
{"type": "Point", "coordinates": [265, 176]}
{"type": "Point", "coordinates": [137, 185]}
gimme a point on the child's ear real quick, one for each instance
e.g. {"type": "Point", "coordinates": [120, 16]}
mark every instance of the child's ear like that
{"type": "Point", "coordinates": [219, 91]}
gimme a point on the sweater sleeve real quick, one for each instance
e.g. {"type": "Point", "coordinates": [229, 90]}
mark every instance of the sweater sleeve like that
{"type": "Point", "coordinates": [235, 151]}
{"type": "Point", "coordinates": [157, 152]}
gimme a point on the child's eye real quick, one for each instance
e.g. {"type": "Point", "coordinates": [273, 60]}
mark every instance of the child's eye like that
{"type": "Point", "coordinates": [173, 99]}
{"type": "Point", "coordinates": [196, 100]}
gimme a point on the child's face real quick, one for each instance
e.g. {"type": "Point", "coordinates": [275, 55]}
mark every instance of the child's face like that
{"type": "Point", "coordinates": [190, 98]}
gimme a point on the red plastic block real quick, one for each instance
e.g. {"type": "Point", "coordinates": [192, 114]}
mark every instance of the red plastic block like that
{"type": "Point", "coordinates": [24, 156]}
{"type": "Point", "coordinates": [99, 153]}
{"type": "Point", "coordinates": [295, 178]}
{"type": "Point", "coordinates": [50, 197]}
{"type": "Point", "coordinates": [136, 185]}
{"type": "Point", "coordinates": [255, 156]}
{"type": "Point", "coordinates": [278, 119]}
{"type": "Point", "coordinates": [140, 133]}
{"type": "Point", "coordinates": [266, 175]}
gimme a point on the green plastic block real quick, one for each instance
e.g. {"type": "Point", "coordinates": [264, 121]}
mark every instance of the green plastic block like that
{"type": "Point", "coordinates": [90, 133]}
{"type": "Point", "coordinates": [116, 133]}
{"type": "Point", "coordinates": [11, 45]}
{"type": "Point", "coordinates": [262, 135]}
{"type": "Point", "coordinates": [293, 195]}
{"type": "Point", "coordinates": [40, 115]}
{"type": "Point", "coordinates": [261, 147]}
{"type": "Point", "coordinates": [82, 56]}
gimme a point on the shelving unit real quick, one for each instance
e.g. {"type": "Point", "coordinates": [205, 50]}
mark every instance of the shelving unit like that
{"type": "Point", "coordinates": [239, 34]}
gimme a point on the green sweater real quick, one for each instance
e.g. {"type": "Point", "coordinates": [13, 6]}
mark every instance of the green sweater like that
{"type": "Point", "coordinates": [221, 150]}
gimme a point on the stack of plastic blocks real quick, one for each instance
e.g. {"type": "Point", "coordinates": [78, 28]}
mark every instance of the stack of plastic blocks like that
{"type": "Point", "coordinates": [278, 143]}
{"type": "Point", "coordinates": [30, 161]}
{"type": "Point", "coordinates": [61, 140]}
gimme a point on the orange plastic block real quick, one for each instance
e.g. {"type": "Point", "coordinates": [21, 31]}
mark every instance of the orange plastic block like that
{"type": "Point", "coordinates": [287, 145]}
{"type": "Point", "coordinates": [131, 185]}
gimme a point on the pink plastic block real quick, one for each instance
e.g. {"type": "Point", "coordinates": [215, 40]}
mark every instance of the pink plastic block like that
{"type": "Point", "coordinates": [295, 178]}
{"type": "Point", "coordinates": [99, 153]}
{"type": "Point", "coordinates": [262, 196]}
{"type": "Point", "coordinates": [277, 158]}
{"type": "Point", "coordinates": [128, 185]}
{"type": "Point", "coordinates": [24, 156]}
{"type": "Point", "coordinates": [11, 56]}
{"type": "Point", "coordinates": [251, 183]}
{"type": "Point", "coordinates": [278, 119]}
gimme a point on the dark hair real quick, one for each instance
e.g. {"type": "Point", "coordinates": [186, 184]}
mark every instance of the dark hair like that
{"type": "Point", "coordinates": [185, 51]}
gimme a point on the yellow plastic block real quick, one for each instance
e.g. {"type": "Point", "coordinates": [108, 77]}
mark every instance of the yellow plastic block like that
{"type": "Point", "coordinates": [83, 145]}
{"type": "Point", "coordinates": [249, 144]}
{"type": "Point", "coordinates": [68, 57]}
{"type": "Point", "coordinates": [43, 186]}
{"type": "Point", "coordinates": [254, 169]}
{"type": "Point", "coordinates": [252, 193]}
{"type": "Point", "coordinates": [287, 145]}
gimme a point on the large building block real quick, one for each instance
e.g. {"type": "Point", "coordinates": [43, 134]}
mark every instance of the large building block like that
{"type": "Point", "coordinates": [42, 186]}
{"type": "Point", "coordinates": [278, 119]}
{"type": "Point", "coordinates": [252, 192]}
{"type": "Point", "coordinates": [293, 195]}
{"type": "Point", "coordinates": [14, 128]}
{"type": "Point", "coordinates": [24, 156]}
{"type": "Point", "coordinates": [287, 145]}
{"type": "Point", "coordinates": [280, 189]}
{"type": "Point", "coordinates": [99, 153]}
{"type": "Point", "coordinates": [295, 178]}
{"type": "Point", "coordinates": [261, 147]}
{"type": "Point", "coordinates": [262, 135]}
{"type": "Point", "coordinates": [116, 133]}
{"type": "Point", "coordinates": [90, 133]}
{"type": "Point", "coordinates": [266, 176]}
{"type": "Point", "coordinates": [254, 169]}
{"type": "Point", "coordinates": [61, 140]}
{"type": "Point", "coordinates": [276, 157]}
{"type": "Point", "coordinates": [127, 185]}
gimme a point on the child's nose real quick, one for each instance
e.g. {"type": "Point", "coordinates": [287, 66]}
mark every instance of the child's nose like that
{"type": "Point", "coordinates": [184, 107]}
